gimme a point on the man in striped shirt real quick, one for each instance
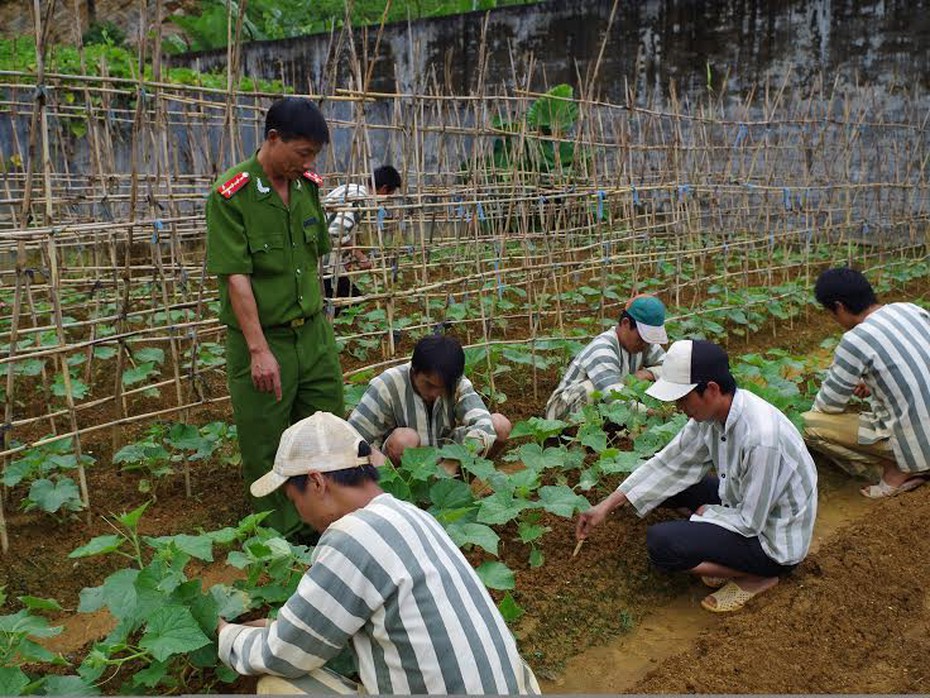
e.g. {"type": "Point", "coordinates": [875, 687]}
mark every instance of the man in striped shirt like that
{"type": "Point", "coordinates": [427, 402]}
{"type": "Point", "coordinates": [630, 348]}
{"type": "Point", "coordinates": [385, 580]}
{"type": "Point", "coordinates": [884, 357]}
{"type": "Point", "coordinates": [753, 521]}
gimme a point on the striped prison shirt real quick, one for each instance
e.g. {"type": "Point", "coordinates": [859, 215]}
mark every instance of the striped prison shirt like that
{"type": "Point", "coordinates": [768, 481]}
{"type": "Point", "coordinates": [605, 363]}
{"type": "Point", "coordinates": [390, 402]}
{"type": "Point", "coordinates": [341, 206]}
{"type": "Point", "coordinates": [388, 581]}
{"type": "Point", "coordinates": [890, 352]}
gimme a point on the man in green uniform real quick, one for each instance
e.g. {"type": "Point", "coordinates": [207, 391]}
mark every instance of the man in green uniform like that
{"type": "Point", "coordinates": [266, 233]}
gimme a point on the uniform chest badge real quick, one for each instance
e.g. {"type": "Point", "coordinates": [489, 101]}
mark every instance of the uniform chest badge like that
{"type": "Point", "coordinates": [233, 185]}
{"type": "Point", "coordinates": [261, 187]}
{"type": "Point", "coordinates": [314, 177]}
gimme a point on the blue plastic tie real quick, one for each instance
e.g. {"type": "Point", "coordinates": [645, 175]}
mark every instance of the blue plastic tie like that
{"type": "Point", "coordinates": [382, 214]}
{"type": "Point", "coordinates": [786, 197]}
{"type": "Point", "coordinates": [480, 210]}
{"type": "Point", "coordinates": [635, 197]}
{"type": "Point", "coordinates": [601, 195]}
{"type": "Point", "coordinates": [740, 135]}
{"type": "Point", "coordinates": [683, 191]}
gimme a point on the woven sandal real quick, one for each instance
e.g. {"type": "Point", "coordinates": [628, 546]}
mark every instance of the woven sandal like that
{"type": "Point", "coordinates": [729, 598]}
{"type": "Point", "coordinates": [883, 489]}
{"type": "Point", "coordinates": [714, 582]}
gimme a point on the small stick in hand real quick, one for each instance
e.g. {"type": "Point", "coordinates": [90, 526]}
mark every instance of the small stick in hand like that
{"type": "Point", "coordinates": [578, 546]}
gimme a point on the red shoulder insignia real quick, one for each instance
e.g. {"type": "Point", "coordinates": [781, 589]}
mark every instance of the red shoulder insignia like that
{"type": "Point", "coordinates": [314, 177]}
{"type": "Point", "coordinates": [232, 186]}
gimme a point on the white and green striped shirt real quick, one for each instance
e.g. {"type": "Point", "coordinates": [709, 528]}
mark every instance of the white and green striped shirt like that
{"type": "Point", "coordinates": [890, 352]}
{"type": "Point", "coordinates": [390, 402]}
{"type": "Point", "coordinates": [606, 363]}
{"type": "Point", "coordinates": [387, 580]}
{"type": "Point", "coordinates": [768, 481]}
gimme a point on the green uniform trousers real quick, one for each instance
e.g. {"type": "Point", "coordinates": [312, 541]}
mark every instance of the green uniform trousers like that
{"type": "Point", "coordinates": [311, 381]}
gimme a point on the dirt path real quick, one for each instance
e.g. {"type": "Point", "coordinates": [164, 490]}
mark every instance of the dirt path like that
{"type": "Point", "coordinates": [678, 625]}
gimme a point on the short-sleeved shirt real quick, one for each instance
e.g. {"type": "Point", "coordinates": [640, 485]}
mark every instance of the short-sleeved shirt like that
{"type": "Point", "coordinates": [277, 246]}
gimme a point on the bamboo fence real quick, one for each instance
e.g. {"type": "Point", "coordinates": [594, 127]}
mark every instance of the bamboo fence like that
{"type": "Point", "coordinates": [102, 230]}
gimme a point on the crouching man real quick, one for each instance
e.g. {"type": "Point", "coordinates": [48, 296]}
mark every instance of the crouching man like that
{"type": "Point", "coordinates": [427, 402]}
{"type": "Point", "coordinates": [385, 580]}
{"type": "Point", "coordinates": [751, 522]}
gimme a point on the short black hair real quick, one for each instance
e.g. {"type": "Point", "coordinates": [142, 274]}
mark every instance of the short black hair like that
{"type": "Point", "coordinates": [441, 355]}
{"type": "Point", "coordinates": [387, 176]}
{"type": "Point", "coordinates": [297, 117]}
{"type": "Point", "coordinates": [847, 286]}
{"type": "Point", "coordinates": [624, 315]}
{"type": "Point", "coordinates": [727, 385]}
{"type": "Point", "coordinates": [348, 477]}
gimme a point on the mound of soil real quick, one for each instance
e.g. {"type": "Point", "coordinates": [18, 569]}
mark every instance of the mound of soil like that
{"type": "Point", "coordinates": [854, 618]}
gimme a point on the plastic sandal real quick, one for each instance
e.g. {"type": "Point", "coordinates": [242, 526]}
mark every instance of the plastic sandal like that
{"type": "Point", "coordinates": [729, 598]}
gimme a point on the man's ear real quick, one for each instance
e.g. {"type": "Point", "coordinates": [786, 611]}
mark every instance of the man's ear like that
{"type": "Point", "coordinates": [317, 481]}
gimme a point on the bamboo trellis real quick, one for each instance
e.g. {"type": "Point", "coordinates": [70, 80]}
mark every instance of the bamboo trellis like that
{"type": "Point", "coordinates": [102, 230]}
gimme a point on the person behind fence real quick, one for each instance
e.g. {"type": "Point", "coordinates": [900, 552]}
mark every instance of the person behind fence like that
{"type": "Point", "coordinates": [385, 581]}
{"type": "Point", "coordinates": [343, 207]}
{"type": "Point", "coordinates": [751, 522]}
{"type": "Point", "coordinates": [427, 402]}
{"type": "Point", "coordinates": [630, 348]}
{"type": "Point", "coordinates": [883, 357]}
{"type": "Point", "coordinates": [265, 235]}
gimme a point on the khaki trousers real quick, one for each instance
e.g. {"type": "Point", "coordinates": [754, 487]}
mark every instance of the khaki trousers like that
{"type": "Point", "coordinates": [319, 681]}
{"type": "Point", "coordinates": [837, 437]}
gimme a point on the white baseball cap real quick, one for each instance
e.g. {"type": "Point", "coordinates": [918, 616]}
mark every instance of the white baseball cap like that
{"type": "Point", "coordinates": [687, 363]}
{"type": "Point", "coordinates": [321, 442]}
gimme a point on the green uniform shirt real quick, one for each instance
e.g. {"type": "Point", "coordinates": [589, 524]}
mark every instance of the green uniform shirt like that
{"type": "Point", "coordinates": [278, 246]}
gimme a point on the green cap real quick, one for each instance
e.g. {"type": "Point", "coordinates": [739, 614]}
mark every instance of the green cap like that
{"type": "Point", "coordinates": [649, 313]}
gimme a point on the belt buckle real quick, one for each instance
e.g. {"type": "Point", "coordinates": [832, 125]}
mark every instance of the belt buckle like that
{"type": "Point", "coordinates": [297, 322]}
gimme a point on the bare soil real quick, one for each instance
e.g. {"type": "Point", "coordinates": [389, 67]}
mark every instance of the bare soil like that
{"type": "Point", "coordinates": [853, 618]}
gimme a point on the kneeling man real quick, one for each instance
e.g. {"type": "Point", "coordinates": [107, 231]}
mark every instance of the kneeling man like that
{"type": "Point", "coordinates": [751, 522]}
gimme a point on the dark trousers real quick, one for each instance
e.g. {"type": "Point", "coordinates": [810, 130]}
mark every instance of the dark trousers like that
{"type": "Point", "coordinates": [676, 546]}
{"type": "Point", "coordinates": [344, 289]}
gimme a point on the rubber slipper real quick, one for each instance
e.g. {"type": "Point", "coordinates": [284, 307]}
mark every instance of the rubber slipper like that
{"type": "Point", "coordinates": [883, 489]}
{"type": "Point", "coordinates": [714, 582]}
{"type": "Point", "coordinates": [728, 598]}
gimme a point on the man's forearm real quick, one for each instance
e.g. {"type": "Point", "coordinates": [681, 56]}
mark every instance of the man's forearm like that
{"type": "Point", "coordinates": [246, 311]}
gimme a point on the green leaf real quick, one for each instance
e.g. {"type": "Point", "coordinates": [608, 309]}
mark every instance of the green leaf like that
{"type": "Point", "coordinates": [79, 388]}
{"type": "Point", "coordinates": [496, 575]}
{"type": "Point", "coordinates": [200, 547]}
{"type": "Point", "coordinates": [131, 520]}
{"type": "Point", "coordinates": [98, 546]}
{"type": "Point", "coordinates": [539, 429]}
{"type": "Point", "coordinates": [539, 459]}
{"type": "Point", "coordinates": [475, 534]}
{"type": "Point", "coordinates": [593, 436]}
{"type": "Point", "coordinates": [561, 500]}
{"type": "Point", "coordinates": [451, 494]}
{"type": "Point", "coordinates": [149, 355]}
{"type": "Point", "coordinates": [500, 508]}
{"type": "Point", "coordinates": [131, 376]}
{"type": "Point", "coordinates": [420, 462]}
{"type": "Point", "coordinates": [51, 496]}
{"type": "Point", "coordinates": [185, 437]}
{"type": "Point", "coordinates": [152, 675]}
{"type": "Point", "coordinates": [529, 532]}
{"type": "Point", "coordinates": [622, 462]}
{"type": "Point", "coordinates": [172, 630]}
{"type": "Point", "coordinates": [231, 602]}
{"type": "Point", "coordinates": [104, 352]}
{"type": "Point", "coordinates": [510, 609]}
{"type": "Point", "coordinates": [68, 686]}
{"type": "Point", "coordinates": [118, 593]}
{"type": "Point", "coordinates": [12, 681]}
{"type": "Point", "coordinates": [34, 603]}
{"type": "Point", "coordinates": [536, 558]}
{"type": "Point", "coordinates": [17, 471]}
